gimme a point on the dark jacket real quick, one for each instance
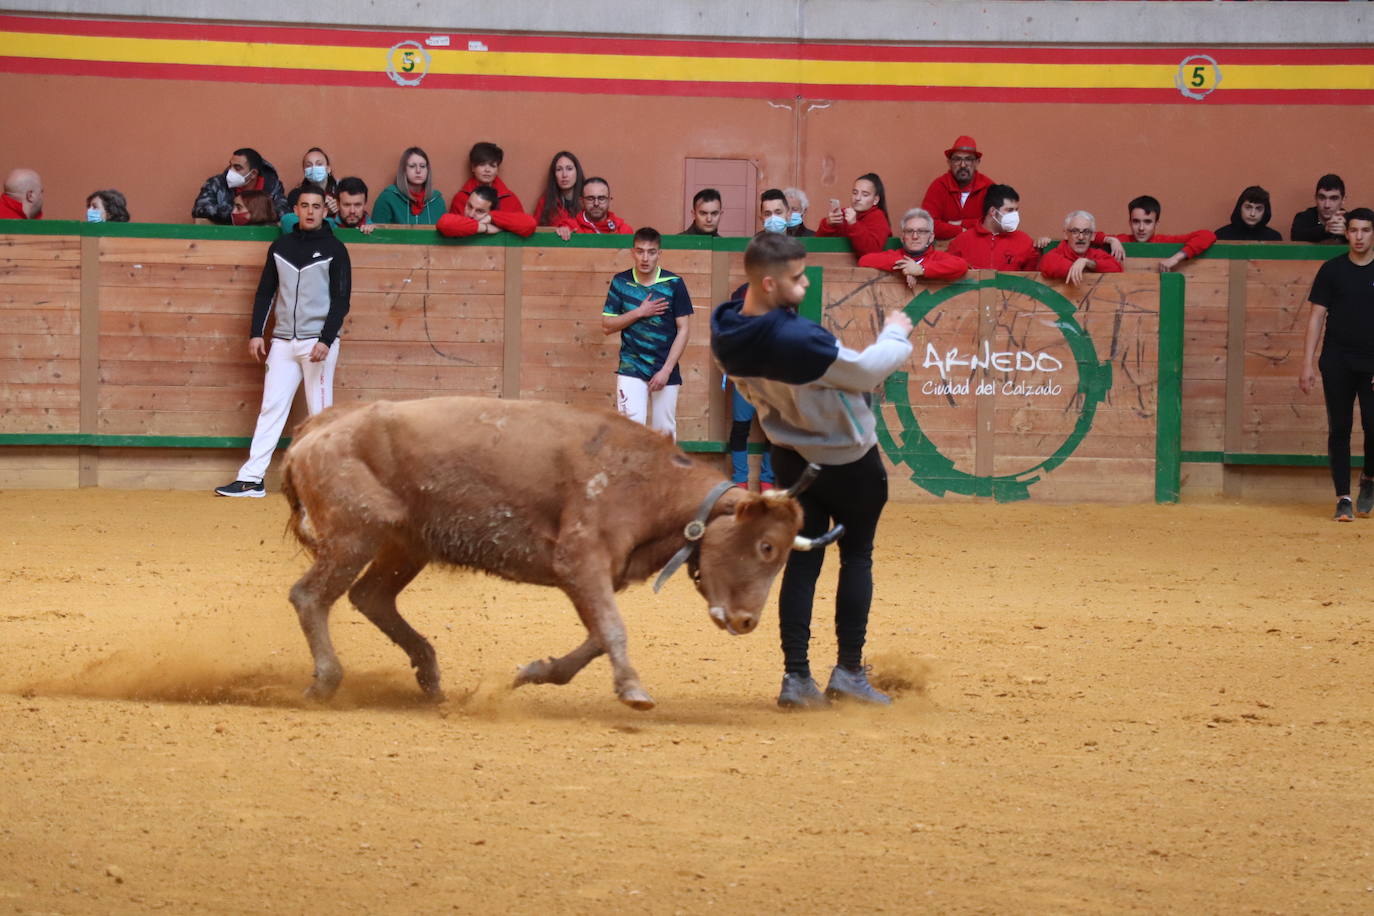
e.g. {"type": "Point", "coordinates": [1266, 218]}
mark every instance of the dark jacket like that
{"type": "Point", "coordinates": [1308, 227]}
{"type": "Point", "coordinates": [307, 281]}
{"type": "Point", "coordinates": [1237, 231]}
{"type": "Point", "coordinates": [216, 199]}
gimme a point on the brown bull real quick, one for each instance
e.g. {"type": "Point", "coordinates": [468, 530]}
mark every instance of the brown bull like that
{"type": "Point", "coordinates": [582, 500]}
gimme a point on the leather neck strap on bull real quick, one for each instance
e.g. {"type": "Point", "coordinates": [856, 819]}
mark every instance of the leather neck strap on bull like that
{"type": "Point", "coordinates": [693, 532]}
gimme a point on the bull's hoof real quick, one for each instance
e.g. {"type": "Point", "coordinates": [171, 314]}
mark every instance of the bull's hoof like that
{"type": "Point", "coordinates": [319, 692]}
{"type": "Point", "coordinates": [536, 672]}
{"type": "Point", "coordinates": [636, 698]}
{"type": "Point", "coordinates": [429, 683]}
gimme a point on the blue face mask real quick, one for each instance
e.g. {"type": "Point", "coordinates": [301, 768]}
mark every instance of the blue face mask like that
{"type": "Point", "coordinates": [95, 215]}
{"type": "Point", "coordinates": [775, 224]}
{"type": "Point", "coordinates": [316, 173]}
{"type": "Point", "coordinates": [794, 220]}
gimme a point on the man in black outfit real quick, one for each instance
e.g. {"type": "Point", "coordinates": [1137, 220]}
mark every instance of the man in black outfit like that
{"type": "Point", "coordinates": [1342, 298]}
{"type": "Point", "coordinates": [1324, 222]}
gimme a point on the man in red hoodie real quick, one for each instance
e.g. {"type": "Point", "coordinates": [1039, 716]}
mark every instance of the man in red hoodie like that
{"type": "Point", "coordinates": [1075, 256]}
{"type": "Point", "coordinates": [484, 163]}
{"type": "Point", "coordinates": [918, 258]}
{"type": "Point", "coordinates": [481, 217]}
{"type": "Point", "coordinates": [23, 197]}
{"type": "Point", "coordinates": [1144, 216]}
{"type": "Point", "coordinates": [955, 199]}
{"type": "Point", "coordinates": [996, 243]}
{"type": "Point", "coordinates": [596, 216]}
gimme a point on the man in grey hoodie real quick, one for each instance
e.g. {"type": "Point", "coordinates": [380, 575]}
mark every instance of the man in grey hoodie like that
{"type": "Point", "coordinates": [814, 398]}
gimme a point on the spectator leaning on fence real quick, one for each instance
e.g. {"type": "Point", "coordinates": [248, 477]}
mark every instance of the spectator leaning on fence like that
{"type": "Point", "coordinates": [412, 200]}
{"type": "Point", "coordinates": [706, 207]}
{"type": "Point", "coordinates": [1324, 222]}
{"type": "Point", "coordinates": [1075, 255]}
{"type": "Point", "coordinates": [1250, 219]}
{"type": "Point", "coordinates": [918, 258]}
{"type": "Point", "coordinates": [247, 171]}
{"type": "Point", "coordinates": [997, 243]}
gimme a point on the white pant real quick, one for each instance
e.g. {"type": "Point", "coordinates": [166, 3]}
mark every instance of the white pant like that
{"type": "Point", "coordinates": [288, 361]}
{"type": "Point", "coordinates": [634, 400]}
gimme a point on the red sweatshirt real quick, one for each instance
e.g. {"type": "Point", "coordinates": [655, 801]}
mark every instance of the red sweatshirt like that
{"type": "Point", "coordinates": [1001, 251]}
{"type": "Point", "coordinates": [1057, 261]}
{"type": "Point", "coordinates": [506, 201]}
{"type": "Point", "coordinates": [942, 202]}
{"type": "Point", "coordinates": [457, 226]}
{"type": "Point", "coordinates": [869, 232]}
{"type": "Point", "coordinates": [1194, 243]}
{"type": "Point", "coordinates": [610, 224]}
{"type": "Point", "coordinates": [939, 265]}
{"type": "Point", "coordinates": [560, 213]}
{"type": "Point", "coordinates": [11, 208]}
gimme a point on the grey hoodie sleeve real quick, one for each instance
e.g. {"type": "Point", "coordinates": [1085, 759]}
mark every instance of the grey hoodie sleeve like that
{"type": "Point", "coordinates": [861, 372]}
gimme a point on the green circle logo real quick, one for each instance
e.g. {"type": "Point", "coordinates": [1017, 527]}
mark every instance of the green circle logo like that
{"type": "Point", "coordinates": [936, 473]}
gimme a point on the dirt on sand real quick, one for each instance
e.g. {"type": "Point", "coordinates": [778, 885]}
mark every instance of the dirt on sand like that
{"type": "Point", "coordinates": [1133, 709]}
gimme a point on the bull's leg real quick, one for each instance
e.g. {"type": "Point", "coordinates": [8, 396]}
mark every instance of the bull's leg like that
{"type": "Point", "coordinates": [596, 606]}
{"type": "Point", "coordinates": [559, 670]}
{"type": "Point", "coordinates": [375, 596]}
{"type": "Point", "coordinates": [312, 597]}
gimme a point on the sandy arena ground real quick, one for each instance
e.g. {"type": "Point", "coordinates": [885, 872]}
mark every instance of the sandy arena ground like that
{"type": "Point", "coordinates": [1142, 709]}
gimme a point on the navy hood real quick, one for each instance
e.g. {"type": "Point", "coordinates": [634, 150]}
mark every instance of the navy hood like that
{"type": "Point", "coordinates": [780, 346]}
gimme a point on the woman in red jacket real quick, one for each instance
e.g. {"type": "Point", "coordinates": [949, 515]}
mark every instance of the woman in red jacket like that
{"type": "Point", "coordinates": [865, 222]}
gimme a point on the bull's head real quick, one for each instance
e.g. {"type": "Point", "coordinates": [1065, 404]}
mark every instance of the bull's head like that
{"type": "Point", "coordinates": [741, 553]}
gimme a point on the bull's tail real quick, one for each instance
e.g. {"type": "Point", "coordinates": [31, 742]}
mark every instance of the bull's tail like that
{"type": "Point", "coordinates": [299, 522]}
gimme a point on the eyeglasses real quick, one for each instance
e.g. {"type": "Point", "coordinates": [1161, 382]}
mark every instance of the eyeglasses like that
{"type": "Point", "coordinates": [917, 232]}
{"type": "Point", "coordinates": [599, 199]}
{"type": "Point", "coordinates": [1081, 233]}
{"type": "Point", "coordinates": [963, 160]}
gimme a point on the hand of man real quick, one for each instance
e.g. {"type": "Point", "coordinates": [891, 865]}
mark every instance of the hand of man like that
{"type": "Point", "coordinates": [660, 379]}
{"type": "Point", "coordinates": [366, 228]}
{"type": "Point", "coordinates": [1117, 249]}
{"type": "Point", "coordinates": [318, 352]}
{"type": "Point", "coordinates": [563, 232]}
{"type": "Point", "coordinates": [1336, 224]}
{"type": "Point", "coordinates": [911, 267]}
{"type": "Point", "coordinates": [912, 283]}
{"type": "Point", "coordinates": [1169, 264]}
{"type": "Point", "coordinates": [257, 349]}
{"type": "Point", "coordinates": [654, 305]}
{"type": "Point", "coordinates": [900, 319]}
{"type": "Point", "coordinates": [332, 205]}
{"type": "Point", "coordinates": [1076, 271]}
{"type": "Point", "coordinates": [1307, 379]}
{"type": "Point", "coordinates": [1044, 242]}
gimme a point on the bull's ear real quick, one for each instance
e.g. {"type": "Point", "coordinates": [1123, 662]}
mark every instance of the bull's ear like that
{"type": "Point", "coordinates": [751, 506]}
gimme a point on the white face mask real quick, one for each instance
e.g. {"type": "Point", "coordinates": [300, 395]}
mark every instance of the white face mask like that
{"type": "Point", "coordinates": [235, 179]}
{"type": "Point", "coordinates": [316, 173]}
{"type": "Point", "coordinates": [1009, 221]}
{"type": "Point", "coordinates": [95, 215]}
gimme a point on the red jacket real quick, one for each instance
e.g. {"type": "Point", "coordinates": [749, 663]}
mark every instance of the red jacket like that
{"type": "Point", "coordinates": [1057, 261]}
{"type": "Point", "coordinates": [10, 208]}
{"type": "Point", "coordinates": [942, 202]}
{"type": "Point", "coordinates": [939, 265]}
{"type": "Point", "coordinates": [457, 226]}
{"type": "Point", "coordinates": [1194, 243]}
{"type": "Point", "coordinates": [610, 224]}
{"type": "Point", "coordinates": [1002, 251]}
{"type": "Point", "coordinates": [868, 233]}
{"type": "Point", "coordinates": [506, 201]}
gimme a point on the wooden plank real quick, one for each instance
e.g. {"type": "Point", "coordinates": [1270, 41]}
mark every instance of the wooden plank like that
{"type": "Point", "coordinates": [90, 354]}
{"type": "Point", "coordinates": [513, 340]}
{"type": "Point", "coordinates": [989, 302]}
{"type": "Point", "coordinates": [40, 248]}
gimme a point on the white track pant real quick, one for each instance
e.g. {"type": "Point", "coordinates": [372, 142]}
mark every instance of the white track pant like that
{"type": "Point", "coordinates": [634, 400]}
{"type": "Point", "coordinates": [288, 362]}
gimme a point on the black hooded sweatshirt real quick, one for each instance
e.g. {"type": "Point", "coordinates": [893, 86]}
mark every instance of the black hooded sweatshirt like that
{"type": "Point", "coordinates": [1237, 231]}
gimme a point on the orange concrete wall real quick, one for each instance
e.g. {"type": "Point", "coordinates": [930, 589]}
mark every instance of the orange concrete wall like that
{"type": "Point", "coordinates": [157, 140]}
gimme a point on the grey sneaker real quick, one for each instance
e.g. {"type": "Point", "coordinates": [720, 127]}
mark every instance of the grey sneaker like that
{"type": "Point", "coordinates": [1345, 512]}
{"type": "Point", "coordinates": [1364, 504]}
{"type": "Point", "coordinates": [853, 685]}
{"type": "Point", "coordinates": [251, 488]}
{"type": "Point", "coordinates": [799, 691]}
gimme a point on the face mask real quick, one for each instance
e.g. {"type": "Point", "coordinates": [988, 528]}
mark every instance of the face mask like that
{"type": "Point", "coordinates": [316, 173]}
{"type": "Point", "coordinates": [794, 220]}
{"type": "Point", "coordinates": [95, 215]}
{"type": "Point", "coordinates": [775, 224]}
{"type": "Point", "coordinates": [1009, 221]}
{"type": "Point", "coordinates": [235, 179]}
{"type": "Point", "coordinates": [239, 219]}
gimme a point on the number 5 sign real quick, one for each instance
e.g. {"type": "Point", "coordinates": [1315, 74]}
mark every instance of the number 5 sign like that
{"type": "Point", "coordinates": [1197, 76]}
{"type": "Point", "coordinates": [407, 63]}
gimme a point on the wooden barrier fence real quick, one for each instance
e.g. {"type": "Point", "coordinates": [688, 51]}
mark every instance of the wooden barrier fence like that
{"type": "Point", "coordinates": [125, 363]}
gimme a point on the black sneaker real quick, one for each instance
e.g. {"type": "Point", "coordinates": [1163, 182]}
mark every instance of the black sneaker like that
{"type": "Point", "coordinates": [1345, 512]}
{"type": "Point", "coordinates": [1365, 503]}
{"type": "Point", "coordinates": [799, 691]}
{"type": "Point", "coordinates": [853, 685]}
{"type": "Point", "coordinates": [250, 488]}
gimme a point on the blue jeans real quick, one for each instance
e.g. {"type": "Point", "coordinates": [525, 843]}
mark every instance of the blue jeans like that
{"type": "Point", "coordinates": [743, 416]}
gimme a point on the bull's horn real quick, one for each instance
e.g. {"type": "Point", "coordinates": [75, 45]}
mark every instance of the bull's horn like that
{"type": "Point", "coordinates": [830, 537]}
{"type": "Point", "coordinates": [807, 477]}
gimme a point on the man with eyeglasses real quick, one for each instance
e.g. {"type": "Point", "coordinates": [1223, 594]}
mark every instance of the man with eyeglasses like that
{"type": "Point", "coordinates": [955, 199]}
{"type": "Point", "coordinates": [918, 258]}
{"type": "Point", "coordinates": [1075, 256]}
{"type": "Point", "coordinates": [596, 217]}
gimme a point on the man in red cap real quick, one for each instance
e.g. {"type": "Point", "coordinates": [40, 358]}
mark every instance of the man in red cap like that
{"type": "Point", "coordinates": [955, 199]}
